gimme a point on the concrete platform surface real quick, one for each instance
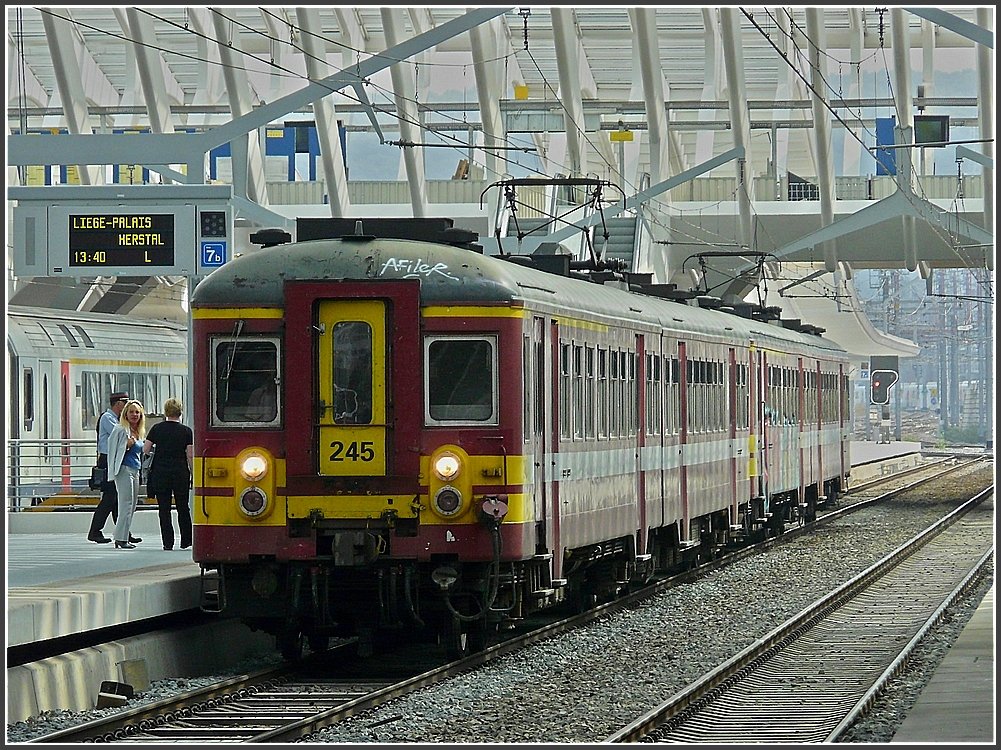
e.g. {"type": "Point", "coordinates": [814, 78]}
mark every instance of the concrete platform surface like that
{"type": "Point", "coordinates": [60, 584]}
{"type": "Point", "coordinates": [959, 703]}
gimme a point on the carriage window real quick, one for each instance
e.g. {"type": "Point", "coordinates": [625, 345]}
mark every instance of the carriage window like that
{"type": "Point", "coordinates": [245, 381]}
{"type": "Point", "coordinates": [28, 407]}
{"type": "Point", "coordinates": [461, 379]}
{"type": "Point", "coordinates": [352, 372]}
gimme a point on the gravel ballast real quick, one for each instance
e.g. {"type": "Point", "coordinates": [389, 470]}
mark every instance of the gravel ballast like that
{"type": "Point", "coordinates": [584, 685]}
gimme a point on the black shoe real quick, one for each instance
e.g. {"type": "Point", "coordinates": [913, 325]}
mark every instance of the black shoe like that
{"type": "Point", "coordinates": [186, 546]}
{"type": "Point", "coordinates": [124, 545]}
{"type": "Point", "coordinates": [167, 548]}
{"type": "Point", "coordinates": [134, 539]}
{"type": "Point", "coordinates": [98, 538]}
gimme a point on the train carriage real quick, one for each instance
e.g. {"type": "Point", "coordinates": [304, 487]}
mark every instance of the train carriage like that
{"type": "Point", "coordinates": [61, 367]}
{"type": "Point", "coordinates": [407, 433]}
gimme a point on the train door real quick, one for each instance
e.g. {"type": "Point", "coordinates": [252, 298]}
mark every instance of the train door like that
{"type": "Point", "coordinates": [803, 428]}
{"type": "Point", "coordinates": [553, 444]}
{"type": "Point", "coordinates": [539, 387]}
{"type": "Point", "coordinates": [353, 361]}
{"type": "Point", "coordinates": [64, 425]}
{"type": "Point", "coordinates": [351, 387]}
{"type": "Point", "coordinates": [683, 407]}
{"type": "Point", "coordinates": [640, 411]}
{"type": "Point", "coordinates": [731, 400]}
{"type": "Point", "coordinates": [764, 416]}
{"type": "Point", "coordinates": [47, 454]}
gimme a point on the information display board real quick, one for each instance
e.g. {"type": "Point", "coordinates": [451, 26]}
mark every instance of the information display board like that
{"type": "Point", "coordinates": [123, 240]}
{"type": "Point", "coordinates": [102, 240]}
{"type": "Point", "coordinates": [121, 230]}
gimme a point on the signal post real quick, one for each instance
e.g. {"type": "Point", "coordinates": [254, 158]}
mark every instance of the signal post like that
{"type": "Point", "coordinates": [882, 377]}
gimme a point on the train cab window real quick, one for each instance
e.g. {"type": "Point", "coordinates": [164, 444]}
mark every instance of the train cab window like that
{"type": "Point", "coordinates": [245, 381]}
{"type": "Point", "coordinates": [352, 370]}
{"type": "Point", "coordinates": [461, 379]}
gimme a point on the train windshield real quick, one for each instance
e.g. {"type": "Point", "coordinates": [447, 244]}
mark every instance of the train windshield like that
{"type": "Point", "coordinates": [245, 381]}
{"type": "Point", "coordinates": [461, 380]}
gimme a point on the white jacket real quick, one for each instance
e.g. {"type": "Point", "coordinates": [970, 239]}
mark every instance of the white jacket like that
{"type": "Point", "coordinates": [117, 447]}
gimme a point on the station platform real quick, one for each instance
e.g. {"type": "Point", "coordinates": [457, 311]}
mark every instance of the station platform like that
{"type": "Point", "coordinates": [959, 703]}
{"type": "Point", "coordinates": [61, 585]}
{"type": "Point", "coordinates": [871, 460]}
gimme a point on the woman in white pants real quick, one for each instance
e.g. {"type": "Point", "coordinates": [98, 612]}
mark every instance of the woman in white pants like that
{"type": "Point", "coordinates": [125, 446]}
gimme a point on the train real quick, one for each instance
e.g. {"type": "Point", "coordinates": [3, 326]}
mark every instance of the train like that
{"type": "Point", "coordinates": [408, 435]}
{"type": "Point", "coordinates": [62, 365]}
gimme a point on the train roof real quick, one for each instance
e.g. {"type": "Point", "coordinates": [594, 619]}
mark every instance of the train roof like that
{"type": "Point", "coordinates": [458, 275]}
{"type": "Point", "coordinates": [52, 332]}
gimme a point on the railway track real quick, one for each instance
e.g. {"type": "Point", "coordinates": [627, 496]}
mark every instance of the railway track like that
{"type": "Point", "coordinates": [292, 701]}
{"type": "Point", "coordinates": [791, 686]}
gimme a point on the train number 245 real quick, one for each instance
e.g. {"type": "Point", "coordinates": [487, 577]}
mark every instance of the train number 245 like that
{"type": "Point", "coordinates": [363, 450]}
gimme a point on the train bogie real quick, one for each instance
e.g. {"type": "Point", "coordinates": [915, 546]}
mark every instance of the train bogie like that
{"type": "Point", "coordinates": [455, 441]}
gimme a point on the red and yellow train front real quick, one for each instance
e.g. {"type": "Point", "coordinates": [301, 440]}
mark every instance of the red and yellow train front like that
{"type": "Point", "coordinates": [356, 433]}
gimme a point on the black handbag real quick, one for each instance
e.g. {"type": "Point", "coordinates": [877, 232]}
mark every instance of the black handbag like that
{"type": "Point", "coordinates": [98, 476]}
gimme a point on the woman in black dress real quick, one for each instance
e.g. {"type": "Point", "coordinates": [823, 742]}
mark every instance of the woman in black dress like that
{"type": "Point", "coordinates": [170, 474]}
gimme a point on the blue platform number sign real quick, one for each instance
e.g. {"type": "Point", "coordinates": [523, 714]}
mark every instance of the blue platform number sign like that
{"type": "Point", "coordinates": [213, 253]}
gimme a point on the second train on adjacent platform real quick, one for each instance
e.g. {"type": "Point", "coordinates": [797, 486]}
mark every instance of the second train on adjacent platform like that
{"type": "Point", "coordinates": [411, 434]}
{"type": "Point", "coordinates": [62, 365]}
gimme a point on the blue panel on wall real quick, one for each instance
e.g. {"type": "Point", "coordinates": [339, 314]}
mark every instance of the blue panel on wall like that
{"type": "Point", "coordinates": [886, 159]}
{"type": "Point", "coordinates": [214, 154]}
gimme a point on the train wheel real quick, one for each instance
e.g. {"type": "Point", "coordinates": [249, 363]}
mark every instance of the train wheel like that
{"type": "Point", "coordinates": [811, 511]}
{"type": "Point", "coordinates": [290, 643]}
{"type": "Point", "coordinates": [583, 597]}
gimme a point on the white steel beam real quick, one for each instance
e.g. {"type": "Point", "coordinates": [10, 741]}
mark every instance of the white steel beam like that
{"type": "Point", "coordinates": [736, 92]}
{"type": "Point", "coordinates": [713, 83]}
{"type": "Point", "coordinates": [644, 23]}
{"type": "Point", "coordinates": [485, 44]}
{"type": "Point", "coordinates": [567, 60]}
{"type": "Point", "coordinates": [238, 89]}
{"type": "Point", "coordinates": [282, 33]}
{"type": "Point", "coordinates": [30, 91]}
{"type": "Point", "coordinates": [516, 77]}
{"type": "Point", "coordinates": [978, 32]}
{"type": "Point", "coordinates": [211, 89]}
{"type": "Point", "coordinates": [822, 128]}
{"type": "Point", "coordinates": [64, 52]}
{"type": "Point", "coordinates": [985, 89]}
{"type": "Point", "coordinates": [851, 158]}
{"type": "Point", "coordinates": [133, 88]}
{"type": "Point", "coordinates": [405, 91]}
{"type": "Point", "coordinates": [420, 22]}
{"type": "Point", "coordinates": [315, 51]}
{"type": "Point", "coordinates": [354, 36]}
{"type": "Point", "coordinates": [148, 63]}
{"type": "Point", "coordinates": [903, 105]}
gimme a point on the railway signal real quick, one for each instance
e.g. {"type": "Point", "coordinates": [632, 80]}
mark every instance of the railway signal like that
{"type": "Point", "coordinates": [879, 385]}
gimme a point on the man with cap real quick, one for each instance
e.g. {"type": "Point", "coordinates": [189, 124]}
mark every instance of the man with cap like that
{"type": "Point", "coordinates": [109, 493]}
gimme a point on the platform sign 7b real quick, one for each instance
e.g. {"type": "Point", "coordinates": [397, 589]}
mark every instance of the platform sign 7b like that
{"type": "Point", "coordinates": [213, 254]}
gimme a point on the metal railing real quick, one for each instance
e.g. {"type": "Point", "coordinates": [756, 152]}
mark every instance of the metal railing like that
{"type": "Point", "coordinates": [38, 470]}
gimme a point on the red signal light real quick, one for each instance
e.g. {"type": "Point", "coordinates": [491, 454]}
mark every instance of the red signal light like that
{"type": "Point", "coordinates": [879, 386]}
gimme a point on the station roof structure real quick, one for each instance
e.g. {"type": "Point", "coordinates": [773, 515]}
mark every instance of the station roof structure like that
{"type": "Point", "coordinates": [714, 119]}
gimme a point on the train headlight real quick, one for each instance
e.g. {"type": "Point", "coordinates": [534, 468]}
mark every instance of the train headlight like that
{"type": "Point", "coordinates": [447, 501]}
{"type": "Point", "coordinates": [253, 501]}
{"type": "Point", "coordinates": [447, 466]}
{"type": "Point", "coordinates": [254, 467]}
